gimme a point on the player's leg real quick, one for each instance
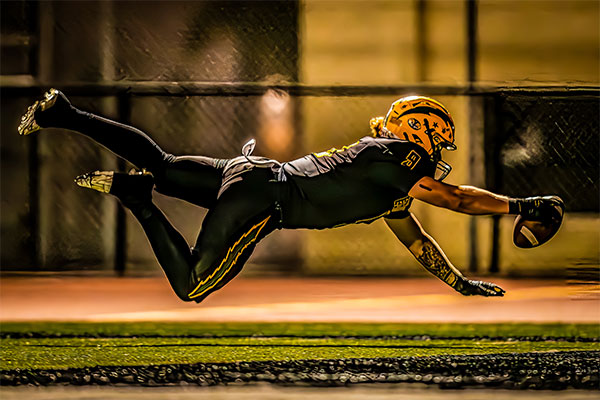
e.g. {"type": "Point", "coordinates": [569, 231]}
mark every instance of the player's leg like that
{"type": "Point", "coordinates": [56, 111]}
{"type": "Point", "coordinates": [245, 213]}
{"type": "Point", "coordinates": [192, 178]}
{"type": "Point", "coordinates": [196, 179]}
{"type": "Point", "coordinates": [169, 246]}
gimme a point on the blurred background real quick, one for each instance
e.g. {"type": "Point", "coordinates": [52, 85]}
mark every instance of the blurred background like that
{"type": "Point", "coordinates": [521, 79]}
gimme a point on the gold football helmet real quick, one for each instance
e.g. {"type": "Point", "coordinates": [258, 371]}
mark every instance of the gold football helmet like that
{"type": "Point", "coordinates": [423, 121]}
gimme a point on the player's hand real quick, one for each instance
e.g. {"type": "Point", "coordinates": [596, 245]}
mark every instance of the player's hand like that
{"type": "Point", "coordinates": [469, 287]}
{"type": "Point", "coordinates": [539, 208]}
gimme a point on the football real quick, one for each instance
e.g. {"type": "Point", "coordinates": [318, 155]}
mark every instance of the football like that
{"type": "Point", "coordinates": [528, 233]}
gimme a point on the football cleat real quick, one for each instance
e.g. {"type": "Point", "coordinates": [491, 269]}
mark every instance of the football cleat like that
{"type": "Point", "coordinates": [102, 181]}
{"type": "Point", "coordinates": [97, 180]}
{"type": "Point", "coordinates": [28, 123]}
{"type": "Point", "coordinates": [133, 189]}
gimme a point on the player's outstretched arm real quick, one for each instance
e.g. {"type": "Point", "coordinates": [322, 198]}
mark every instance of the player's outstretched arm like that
{"type": "Point", "coordinates": [464, 199]}
{"type": "Point", "coordinates": [475, 201]}
{"type": "Point", "coordinates": [430, 255]}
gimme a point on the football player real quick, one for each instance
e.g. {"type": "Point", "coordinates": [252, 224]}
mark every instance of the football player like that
{"type": "Point", "coordinates": [248, 197]}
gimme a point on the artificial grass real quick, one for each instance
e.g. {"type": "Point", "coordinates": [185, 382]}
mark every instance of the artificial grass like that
{"type": "Point", "coordinates": [277, 342]}
{"type": "Point", "coordinates": [85, 352]}
{"type": "Point", "coordinates": [303, 329]}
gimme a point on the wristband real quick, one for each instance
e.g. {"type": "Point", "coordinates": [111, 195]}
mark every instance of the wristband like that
{"type": "Point", "coordinates": [515, 206]}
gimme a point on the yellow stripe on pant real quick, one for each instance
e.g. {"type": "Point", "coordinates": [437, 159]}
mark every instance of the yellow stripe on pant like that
{"type": "Point", "coordinates": [229, 260]}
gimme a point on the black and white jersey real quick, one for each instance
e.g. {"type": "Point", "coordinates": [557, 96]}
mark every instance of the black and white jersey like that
{"type": "Point", "coordinates": [358, 183]}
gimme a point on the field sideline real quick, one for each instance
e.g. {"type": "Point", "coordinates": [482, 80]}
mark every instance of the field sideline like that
{"type": "Point", "coordinates": [542, 334]}
{"type": "Point", "coordinates": [56, 297]}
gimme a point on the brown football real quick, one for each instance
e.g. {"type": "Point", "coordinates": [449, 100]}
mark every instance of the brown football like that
{"type": "Point", "coordinates": [528, 234]}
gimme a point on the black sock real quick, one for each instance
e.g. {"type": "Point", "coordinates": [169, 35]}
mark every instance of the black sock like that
{"type": "Point", "coordinates": [134, 191]}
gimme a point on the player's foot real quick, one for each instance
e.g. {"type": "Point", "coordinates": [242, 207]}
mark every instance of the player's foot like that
{"type": "Point", "coordinates": [97, 180]}
{"type": "Point", "coordinates": [132, 189]}
{"type": "Point", "coordinates": [45, 112]}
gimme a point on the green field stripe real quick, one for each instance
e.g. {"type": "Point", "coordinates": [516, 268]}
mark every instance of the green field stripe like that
{"type": "Point", "coordinates": [85, 352]}
{"type": "Point", "coordinates": [182, 329]}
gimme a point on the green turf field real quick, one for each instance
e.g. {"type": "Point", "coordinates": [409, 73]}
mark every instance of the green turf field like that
{"type": "Point", "coordinates": [299, 329]}
{"type": "Point", "coordinates": [64, 345]}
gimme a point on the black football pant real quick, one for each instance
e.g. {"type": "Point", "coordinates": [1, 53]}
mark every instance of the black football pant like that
{"type": "Point", "coordinates": [242, 216]}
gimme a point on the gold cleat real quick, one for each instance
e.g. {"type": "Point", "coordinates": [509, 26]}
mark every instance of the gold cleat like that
{"type": "Point", "coordinates": [97, 180]}
{"type": "Point", "coordinates": [28, 124]}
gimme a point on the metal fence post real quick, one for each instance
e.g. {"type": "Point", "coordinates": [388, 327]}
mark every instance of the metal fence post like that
{"type": "Point", "coordinates": [124, 115]}
{"type": "Point", "coordinates": [475, 156]}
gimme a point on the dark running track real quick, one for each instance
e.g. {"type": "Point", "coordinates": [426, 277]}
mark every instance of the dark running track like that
{"type": "Point", "coordinates": [563, 370]}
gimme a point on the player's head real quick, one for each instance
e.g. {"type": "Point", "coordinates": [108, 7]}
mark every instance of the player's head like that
{"type": "Point", "coordinates": [420, 120]}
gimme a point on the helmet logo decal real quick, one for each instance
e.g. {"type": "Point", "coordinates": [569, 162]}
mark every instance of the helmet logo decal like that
{"type": "Point", "coordinates": [413, 123]}
{"type": "Point", "coordinates": [428, 111]}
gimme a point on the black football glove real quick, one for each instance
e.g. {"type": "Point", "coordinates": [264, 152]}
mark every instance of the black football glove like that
{"type": "Point", "coordinates": [468, 287]}
{"type": "Point", "coordinates": [537, 208]}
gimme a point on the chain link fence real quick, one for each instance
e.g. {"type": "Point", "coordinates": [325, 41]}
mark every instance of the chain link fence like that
{"type": "Point", "coordinates": [203, 78]}
{"type": "Point", "coordinates": [547, 144]}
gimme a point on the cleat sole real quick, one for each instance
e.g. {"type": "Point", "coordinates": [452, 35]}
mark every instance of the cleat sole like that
{"type": "Point", "coordinates": [28, 125]}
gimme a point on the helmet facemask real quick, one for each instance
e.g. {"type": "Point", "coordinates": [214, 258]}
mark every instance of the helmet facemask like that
{"type": "Point", "coordinates": [442, 168]}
